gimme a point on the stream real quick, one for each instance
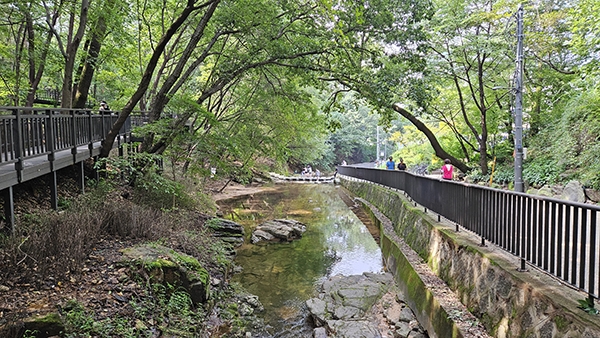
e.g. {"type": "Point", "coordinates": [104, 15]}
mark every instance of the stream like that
{"type": "Point", "coordinates": [285, 275]}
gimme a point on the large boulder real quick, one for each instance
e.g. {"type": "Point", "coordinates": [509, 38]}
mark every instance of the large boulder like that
{"type": "Point", "coordinates": [545, 191]}
{"type": "Point", "coordinates": [573, 192]}
{"type": "Point", "coordinates": [223, 227]}
{"type": "Point", "coordinates": [282, 230]}
{"type": "Point", "coordinates": [163, 265]}
{"type": "Point", "coordinates": [354, 329]}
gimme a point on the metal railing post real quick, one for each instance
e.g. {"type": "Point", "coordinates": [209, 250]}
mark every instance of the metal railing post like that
{"type": "Point", "coordinates": [18, 144]}
{"type": "Point", "coordinates": [9, 208]}
{"type": "Point", "coordinates": [91, 133]}
{"type": "Point", "coordinates": [50, 146]}
{"type": "Point", "coordinates": [73, 137]}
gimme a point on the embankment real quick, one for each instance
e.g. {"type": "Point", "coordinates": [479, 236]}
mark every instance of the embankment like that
{"type": "Point", "coordinates": [509, 303]}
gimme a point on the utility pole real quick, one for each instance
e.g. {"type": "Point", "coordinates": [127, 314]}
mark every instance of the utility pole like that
{"type": "Point", "coordinates": [519, 105]}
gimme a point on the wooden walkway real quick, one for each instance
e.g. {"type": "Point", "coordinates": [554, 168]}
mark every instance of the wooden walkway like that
{"type": "Point", "coordinates": [40, 141]}
{"type": "Point", "coordinates": [301, 179]}
{"type": "Point", "coordinates": [34, 167]}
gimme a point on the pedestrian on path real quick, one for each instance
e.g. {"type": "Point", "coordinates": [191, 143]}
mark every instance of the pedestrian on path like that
{"type": "Point", "coordinates": [447, 170]}
{"type": "Point", "coordinates": [391, 165]}
{"type": "Point", "coordinates": [401, 165]}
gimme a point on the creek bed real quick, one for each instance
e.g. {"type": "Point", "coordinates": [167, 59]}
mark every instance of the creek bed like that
{"type": "Point", "coordinates": [285, 275]}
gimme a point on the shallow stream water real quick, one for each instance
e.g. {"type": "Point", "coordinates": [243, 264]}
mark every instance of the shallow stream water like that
{"type": "Point", "coordinates": [285, 275]}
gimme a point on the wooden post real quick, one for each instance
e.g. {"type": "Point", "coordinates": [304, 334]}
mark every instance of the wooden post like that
{"type": "Point", "coordinates": [73, 137]}
{"type": "Point", "coordinates": [90, 133]}
{"type": "Point", "coordinates": [53, 190]}
{"type": "Point", "coordinates": [81, 177]}
{"type": "Point", "coordinates": [50, 146]}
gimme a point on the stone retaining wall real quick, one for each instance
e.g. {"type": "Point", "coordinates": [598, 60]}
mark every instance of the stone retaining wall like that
{"type": "Point", "coordinates": [509, 303]}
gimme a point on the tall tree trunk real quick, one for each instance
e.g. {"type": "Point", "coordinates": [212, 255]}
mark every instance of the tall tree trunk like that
{"type": "Point", "coordinates": [70, 54]}
{"type": "Point", "coordinates": [91, 61]}
{"type": "Point", "coordinates": [483, 108]}
{"type": "Point", "coordinates": [36, 76]}
{"type": "Point", "coordinates": [19, 45]}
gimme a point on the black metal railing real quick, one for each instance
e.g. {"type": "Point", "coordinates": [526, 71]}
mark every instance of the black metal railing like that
{"type": "Point", "coordinates": [558, 236]}
{"type": "Point", "coordinates": [32, 132]}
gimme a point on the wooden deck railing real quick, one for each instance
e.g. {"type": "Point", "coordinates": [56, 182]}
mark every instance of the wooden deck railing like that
{"type": "Point", "coordinates": [39, 141]}
{"type": "Point", "coordinates": [32, 132]}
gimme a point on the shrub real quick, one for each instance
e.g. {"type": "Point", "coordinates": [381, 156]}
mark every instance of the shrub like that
{"type": "Point", "coordinates": [541, 174]}
{"type": "Point", "coordinates": [158, 192]}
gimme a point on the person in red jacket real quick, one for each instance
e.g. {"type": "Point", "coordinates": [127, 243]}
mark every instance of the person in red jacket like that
{"type": "Point", "coordinates": [447, 170]}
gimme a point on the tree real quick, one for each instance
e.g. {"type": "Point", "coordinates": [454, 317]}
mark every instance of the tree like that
{"type": "Point", "coordinates": [92, 53]}
{"type": "Point", "coordinates": [70, 47]}
{"type": "Point", "coordinates": [454, 82]}
{"type": "Point", "coordinates": [291, 35]}
{"type": "Point", "coordinates": [354, 139]}
{"type": "Point", "coordinates": [147, 76]}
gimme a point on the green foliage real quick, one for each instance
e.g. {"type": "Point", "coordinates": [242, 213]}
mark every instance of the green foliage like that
{"type": "Point", "coordinates": [587, 305]}
{"type": "Point", "coordinates": [157, 191]}
{"type": "Point", "coordinates": [355, 140]}
{"type": "Point", "coordinates": [179, 303]}
{"type": "Point", "coordinates": [415, 150]}
{"type": "Point", "coordinates": [585, 38]}
{"type": "Point", "coordinates": [538, 174]}
{"type": "Point", "coordinates": [568, 146]}
{"type": "Point", "coordinates": [152, 188]}
{"type": "Point", "coordinates": [30, 334]}
{"type": "Point", "coordinates": [81, 322]}
{"type": "Point", "coordinates": [77, 319]}
{"type": "Point", "coordinates": [168, 307]}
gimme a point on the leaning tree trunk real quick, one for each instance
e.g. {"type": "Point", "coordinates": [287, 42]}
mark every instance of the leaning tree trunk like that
{"type": "Point", "coordinates": [145, 81]}
{"type": "Point", "coordinates": [437, 147]}
{"type": "Point", "coordinates": [165, 93]}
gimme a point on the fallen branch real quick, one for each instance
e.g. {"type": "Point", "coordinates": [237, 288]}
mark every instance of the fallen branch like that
{"type": "Point", "coordinates": [23, 252]}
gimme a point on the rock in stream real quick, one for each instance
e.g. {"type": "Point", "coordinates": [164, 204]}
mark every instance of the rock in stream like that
{"type": "Point", "coordinates": [282, 230]}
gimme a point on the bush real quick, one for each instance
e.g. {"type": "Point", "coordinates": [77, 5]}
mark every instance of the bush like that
{"type": "Point", "coordinates": [541, 174]}
{"type": "Point", "coordinates": [156, 191]}
{"type": "Point", "coordinates": [63, 240]}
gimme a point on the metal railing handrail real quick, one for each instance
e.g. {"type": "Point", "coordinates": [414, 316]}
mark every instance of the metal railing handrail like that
{"type": "Point", "coordinates": [30, 132]}
{"type": "Point", "coordinates": [558, 236]}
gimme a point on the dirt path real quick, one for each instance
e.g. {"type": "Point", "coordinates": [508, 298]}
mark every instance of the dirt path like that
{"type": "Point", "coordinates": [234, 189]}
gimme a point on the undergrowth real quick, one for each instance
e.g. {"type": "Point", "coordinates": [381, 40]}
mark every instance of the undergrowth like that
{"type": "Point", "coordinates": [123, 206]}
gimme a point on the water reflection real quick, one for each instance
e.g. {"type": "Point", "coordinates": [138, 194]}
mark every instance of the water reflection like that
{"type": "Point", "coordinates": [285, 275]}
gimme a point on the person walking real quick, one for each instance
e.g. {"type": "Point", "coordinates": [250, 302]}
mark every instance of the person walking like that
{"type": "Point", "coordinates": [401, 165]}
{"type": "Point", "coordinates": [391, 165]}
{"type": "Point", "coordinates": [447, 170]}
